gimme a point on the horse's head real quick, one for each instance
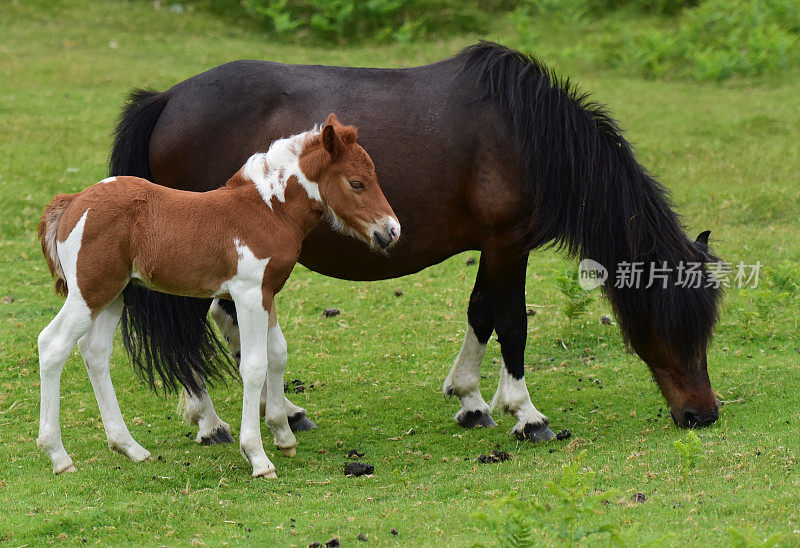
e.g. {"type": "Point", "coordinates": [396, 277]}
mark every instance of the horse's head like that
{"type": "Point", "coordinates": [674, 341]}
{"type": "Point", "coordinates": [683, 381]}
{"type": "Point", "coordinates": [348, 186]}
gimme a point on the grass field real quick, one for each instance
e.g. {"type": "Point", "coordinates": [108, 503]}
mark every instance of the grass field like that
{"type": "Point", "coordinates": [729, 153]}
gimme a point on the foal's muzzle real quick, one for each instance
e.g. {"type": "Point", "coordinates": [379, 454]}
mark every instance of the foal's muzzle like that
{"type": "Point", "coordinates": [386, 232]}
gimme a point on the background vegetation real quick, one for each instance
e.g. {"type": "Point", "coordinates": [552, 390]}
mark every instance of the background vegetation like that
{"type": "Point", "coordinates": [700, 39]}
{"type": "Point", "coordinates": [730, 153]}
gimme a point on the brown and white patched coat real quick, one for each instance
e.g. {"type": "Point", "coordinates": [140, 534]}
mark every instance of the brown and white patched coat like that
{"type": "Point", "coordinates": [239, 242]}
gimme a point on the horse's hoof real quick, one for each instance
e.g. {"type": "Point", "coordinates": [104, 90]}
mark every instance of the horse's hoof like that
{"type": "Point", "coordinates": [217, 436]}
{"type": "Point", "coordinates": [300, 423]}
{"type": "Point", "coordinates": [268, 474]}
{"type": "Point", "coordinates": [535, 433]}
{"type": "Point", "coordinates": [130, 449]}
{"type": "Point", "coordinates": [475, 419]}
{"type": "Point", "coordinates": [67, 470]}
{"type": "Point", "coordinates": [137, 453]}
{"type": "Point", "coordinates": [289, 451]}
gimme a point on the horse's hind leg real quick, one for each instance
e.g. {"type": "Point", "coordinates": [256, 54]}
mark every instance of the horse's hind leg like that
{"type": "Point", "coordinates": [298, 421]}
{"type": "Point", "coordinates": [506, 278]}
{"type": "Point", "coordinates": [55, 344]}
{"type": "Point", "coordinates": [199, 409]}
{"type": "Point", "coordinates": [464, 377]}
{"type": "Point", "coordinates": [96, 347]}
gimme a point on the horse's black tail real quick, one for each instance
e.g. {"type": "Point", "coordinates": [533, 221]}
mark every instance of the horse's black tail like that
{"type": "Point", "coordinates": [167, 337]}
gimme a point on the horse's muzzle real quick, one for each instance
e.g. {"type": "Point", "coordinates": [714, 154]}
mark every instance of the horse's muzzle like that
{"type": "Point", "coordinates": [689, 418]}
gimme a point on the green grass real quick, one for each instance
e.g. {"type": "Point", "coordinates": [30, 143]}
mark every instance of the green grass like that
{"type": "Point", "coordinates": [731, 156]}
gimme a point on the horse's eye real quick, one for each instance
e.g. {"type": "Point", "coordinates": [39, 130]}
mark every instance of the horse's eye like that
{"type": "Point", "coordinates": [357, 185]}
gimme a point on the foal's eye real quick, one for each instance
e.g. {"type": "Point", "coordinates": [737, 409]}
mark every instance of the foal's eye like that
{"type": "Point", "coordinates": [357, 185]}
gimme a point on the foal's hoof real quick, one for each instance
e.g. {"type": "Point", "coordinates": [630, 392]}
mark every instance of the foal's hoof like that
{"type": "Point", "coordinates": [218, 435]}
{"type": "Point", "coordinates": [535, 433]}
{"type": "Point", "coordinates": [289, 451]}
{"type": "Point", "coordinates": [262, 467]}
{"type": "Point", "coordinates": [300, 423]}
{"type": "Point", "coordinates": [67, 470]}
{"type": "Point", "coordinates": [129, 448]}
{"type": "Point", "coordinates": [62, 463]}
{"type": "Point", "coordinates": [475, 419]}
{"type": "Point", "coordinates": [268, 474]}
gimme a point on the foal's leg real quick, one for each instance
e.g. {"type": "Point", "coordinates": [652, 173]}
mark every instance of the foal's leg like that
{"type": "Point", "coordinates": [506, 278]}
{"type": "Point", "coordinates": [96, 348]}
{"type": "Point", "coordinates": [275, 408]}
{"type": "Point", "coordinates": [224, 314]}
{"type": "Point", "coordinates": [464, 377]}
{"type": "Point", "coordinates": [198, 408]}
{"type": "Point", "coordinates": [253, 326]}
{"type": "Point", "coordinates": [55, 344]}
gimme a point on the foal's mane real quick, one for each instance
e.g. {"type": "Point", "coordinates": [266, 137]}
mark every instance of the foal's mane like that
{"type": "Point", "coordinates": [591, 197]}
{"type": "Point", "coordinates": [280, 154]}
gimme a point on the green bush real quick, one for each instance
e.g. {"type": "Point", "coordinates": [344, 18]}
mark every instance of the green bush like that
{"type": "Point", "coordinates": [599, 8]}
{"type": "Point", "coordinates": [665, 7]}
{"type": "Point", "coordinates": [697, 39]}
{"type": "Point", "coordinates": [377, 20]}
{"type": "Point", "coordinates": [721, 38]}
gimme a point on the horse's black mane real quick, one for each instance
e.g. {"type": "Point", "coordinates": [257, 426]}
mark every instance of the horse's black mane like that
{"type": "Point", "coordinates": [590, 195]}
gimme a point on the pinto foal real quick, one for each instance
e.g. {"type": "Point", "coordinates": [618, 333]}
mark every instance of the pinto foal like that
{"type": "Point", "coordinates": [239, 242]}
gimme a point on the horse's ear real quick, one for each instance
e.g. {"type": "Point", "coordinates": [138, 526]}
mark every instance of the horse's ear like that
{"type": "Point", "coordinates": [331, 141]}
{"type": "Point", "coordinates": [702, 241]}
{"type": "Point", "coordinates": [332, 120]}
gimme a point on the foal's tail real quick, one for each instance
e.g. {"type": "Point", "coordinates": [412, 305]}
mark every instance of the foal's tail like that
{"type": "Point", "coordinates": [168, 338]}
{"type": "Point", "coordinates": [48, 227]}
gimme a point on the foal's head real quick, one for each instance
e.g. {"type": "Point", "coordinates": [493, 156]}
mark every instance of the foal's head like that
{"type": "Point", "coordinates": [348, 185]}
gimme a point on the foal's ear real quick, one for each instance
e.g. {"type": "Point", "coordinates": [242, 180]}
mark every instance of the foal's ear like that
{"type": "Point", "coordinates": [331, 141]}
{"type": "Point", "coordinates": [332, 120]}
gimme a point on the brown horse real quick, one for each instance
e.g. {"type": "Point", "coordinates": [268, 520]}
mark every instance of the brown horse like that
{"type": "Point", "coordinates": [487, 151]}
{"type": "Point", "coordinates": [239, 242]}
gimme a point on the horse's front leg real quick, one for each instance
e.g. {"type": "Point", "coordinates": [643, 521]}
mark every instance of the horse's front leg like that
{"type": "Point", "coordinates": [224, 314]}
{"type": "Point", "coordinates": [275, 405]}
{"type": "Point", "coordinates": [253, 326]}
{"type": "Point", "coordinates": [464, 377]}
{"type": "Point", "coordinates": [506, 278]}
